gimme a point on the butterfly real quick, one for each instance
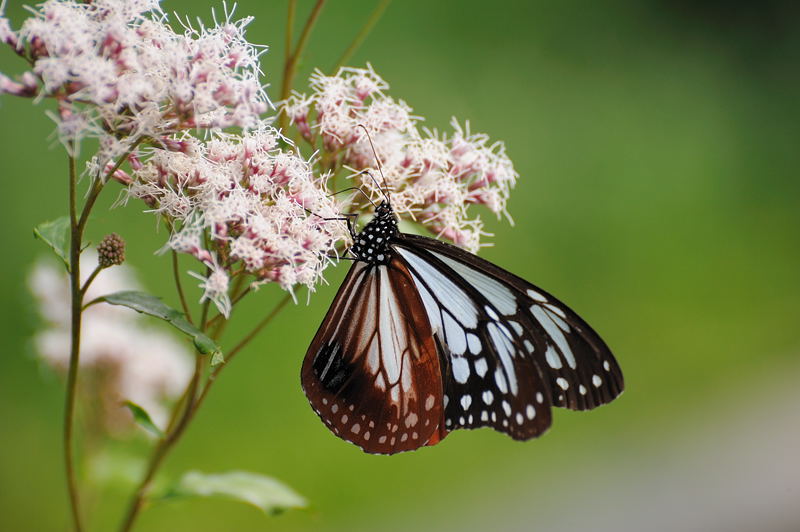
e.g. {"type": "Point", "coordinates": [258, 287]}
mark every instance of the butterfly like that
{"type": "Point", "coordinates": [424, 338]}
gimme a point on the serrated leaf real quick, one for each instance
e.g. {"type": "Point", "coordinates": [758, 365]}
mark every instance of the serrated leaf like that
{"type": "Point", "coordinates": [265, 493]}
{"type": "Point", "coordinates": [56, 235]}
{"type": "Point", "coordinates": [153, 306]}
{"type": "Point", "coordinates": [142, 418]}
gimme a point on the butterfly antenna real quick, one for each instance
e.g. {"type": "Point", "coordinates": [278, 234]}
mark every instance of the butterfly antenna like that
{"type": "Point", "coordinates": [382, 188]}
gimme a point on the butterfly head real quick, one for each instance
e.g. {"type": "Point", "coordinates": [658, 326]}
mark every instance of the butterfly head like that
{"type": "Point", "coordinates": [384, 210]}
{"type": "Point", "coordinates": [371, 244]}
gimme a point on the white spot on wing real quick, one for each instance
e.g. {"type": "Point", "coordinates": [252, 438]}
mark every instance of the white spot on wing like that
{"type": "Point", "coordinates": [553, 360]}
{"type": "Point", "coordinates": [500, 380]}
{"type": "Point", "coordinates": [498, 294]}
{"type": "Point", "coordinates": [562, 383]}
{"type": "Point", "coordinates": [466, 400]}
{"type": "Point", "coordinates": [553, 308]}
{"type": "Point", "coordinates": [474, 343]}
{"type": "Point", "coordinates": [597, 381]}
{"type": "Point", "coordinates": [461, 305]}
{"type": "Point", "coordinates": [429, 402]}
{"type": "Point", "coordinates": [505, 350]}
{"type": "Point", "coordinates": [481, 367]}
{"type": "Point", "coordinates": [454, 335]}
{"type": "Point", "coordinates": [555, 333]}
{"type": "Point", "coordinates": [528, 346]}
{"type": "Point", "coordinates": [487, 397]}
{"type": "Point", "coordinates": [460, 369]}
{"type": "Point", "coordinates": [558, 321]}
{"type": "Point", "coordinates": [536, 295]}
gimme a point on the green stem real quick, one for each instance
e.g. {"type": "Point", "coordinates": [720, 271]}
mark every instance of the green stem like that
{"type": "Point", "coordinates": [191, 404]}
{"type": "Point", "coordinates": [289, 31]}
{"type": "Point", "coordinates": [98, 185]}
{"type": "Point", "coordinates": [77, 292]}
{"type": "Point", "coordinates": [75, 346]}
{"type": "Point", "coordinates": [373, 19]}
{"type": "Point", "coordinates": [91, 278]}
{"type": "Point", "coordinates": [162, 449]}
{"type": "Point", "coordinates": [290, 68]}
{"type": "Point", "coordinates": [204, 315]}
{"type": "Point", "coordinates": [177, 275]}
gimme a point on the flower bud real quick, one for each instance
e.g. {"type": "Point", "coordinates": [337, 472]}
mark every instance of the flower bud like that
{"type": "Point", "coordinates": [111, 251]}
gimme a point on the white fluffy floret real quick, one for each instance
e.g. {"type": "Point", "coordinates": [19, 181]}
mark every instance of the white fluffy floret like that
{"type": "Point", "coordinates": [433, 179]}
{"type": "Point", "coordinates": [262, 207]}
{"type": "Point", "coordinates": [119, 69]}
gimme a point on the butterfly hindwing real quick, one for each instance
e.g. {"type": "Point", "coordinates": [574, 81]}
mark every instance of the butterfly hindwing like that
{"type": "Point", "coordinates": [488, 379]}
{"type": "Point", "coordinates": [579, 369]}
{"type": "Point", "coordinates": [372, 371]}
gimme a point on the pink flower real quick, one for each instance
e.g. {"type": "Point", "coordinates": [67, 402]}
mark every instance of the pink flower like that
{"type": "Point", "coordinates": [251, 201]}
{"type": "Point", "coordinates": [433, 179]}
{"type": "Point", "coordinates": [119, 68]}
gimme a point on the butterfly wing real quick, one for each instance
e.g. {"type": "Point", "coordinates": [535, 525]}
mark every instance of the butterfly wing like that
{"type": "Point", "coordinates": [372, 371]}
{"type": "Point", "coordinates": [489, 380]}
{"type": "Point", "coordinates": [518, 321]}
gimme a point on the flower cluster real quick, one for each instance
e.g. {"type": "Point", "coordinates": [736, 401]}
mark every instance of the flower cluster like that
{"type": "Point", "coordinates": [119, 71]}
{"type": "Point", "coordinates": [432, 178]}
{"type": "Point", "coordinates": [122, 359]}
{"type": "Point", "coordinates": [241, 204]}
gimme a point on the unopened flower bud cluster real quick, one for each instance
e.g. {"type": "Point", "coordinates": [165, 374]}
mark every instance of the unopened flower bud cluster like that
{"type": "Point", "coordinates": [433, 178]}
{"type": "Point", "coordinates": [111, 251]}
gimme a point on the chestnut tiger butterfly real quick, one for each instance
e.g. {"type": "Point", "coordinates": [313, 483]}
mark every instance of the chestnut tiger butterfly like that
{"type": "Point", "coordinates": [424, 338]}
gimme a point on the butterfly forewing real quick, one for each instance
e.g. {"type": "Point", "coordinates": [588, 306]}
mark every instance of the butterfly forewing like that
{"type": "Point", "coordinates": [579, 370]}
{"type": "Point", "coordinates": [372, 372]}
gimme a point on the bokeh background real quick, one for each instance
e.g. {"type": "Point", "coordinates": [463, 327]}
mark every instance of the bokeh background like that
{"type": "Point", "coordinates": [657, 144]}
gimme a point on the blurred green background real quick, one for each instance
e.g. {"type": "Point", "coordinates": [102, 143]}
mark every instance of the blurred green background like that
{"type": "Point", "coordinates": [657, 144]}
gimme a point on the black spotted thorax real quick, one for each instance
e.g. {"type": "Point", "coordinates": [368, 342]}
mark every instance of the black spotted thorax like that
{"type": "Point", "coordinates": [371, 244]}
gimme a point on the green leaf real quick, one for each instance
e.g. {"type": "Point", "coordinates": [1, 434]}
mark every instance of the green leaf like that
{"type": "Point", "coordinates": [56, 235]}
{"type": "Point", "coordinates": [265, 493]}
{"type": "Point", "coordinates": [141, 417]}
{"type": "Point", "coordinates": [153, 306]}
